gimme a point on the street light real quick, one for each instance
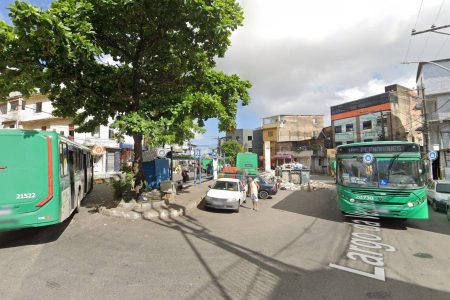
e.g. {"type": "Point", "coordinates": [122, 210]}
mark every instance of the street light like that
{"type": "Point", "coordinates": [426, 62]}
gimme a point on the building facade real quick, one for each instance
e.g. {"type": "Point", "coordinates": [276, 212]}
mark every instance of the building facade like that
{"type": "Point", "coordinates": [433, 85]}
{"type": "Point", "coordinates": [242, 136]}
{"type": "Point", "coordinates": [391, 116]}
{"type": "Point", "coordinates": [35, 113]}
{"type": "Point", "coordinates": [283, 132]}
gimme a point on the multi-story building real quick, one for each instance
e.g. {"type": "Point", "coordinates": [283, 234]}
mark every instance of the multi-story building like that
{"type": "Point", "coordinates": [35, 113]}
{"type": "Point", "coordinates": [433, 84]}
{"type": "Point", "coordinates": [283, 132]}
{"type": "Point", "coordinates": [258, 143]}
{"type": "Point", "coordinates": [392, 115]}
{"type": "Point", "coordinates": [242, 136]}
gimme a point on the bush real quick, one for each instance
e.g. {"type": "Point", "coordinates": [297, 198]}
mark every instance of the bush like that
{"type": "Point", "coordinates": [123, 185]}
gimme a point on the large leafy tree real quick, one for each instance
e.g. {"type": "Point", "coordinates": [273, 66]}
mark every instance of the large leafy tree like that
{"type": "Point", "coordinates": [147, 64]}
{"type": "Point", "coordinates": [231, 149]}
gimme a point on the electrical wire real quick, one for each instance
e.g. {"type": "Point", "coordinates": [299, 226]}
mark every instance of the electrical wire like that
{"type": "Point", "coordinates": [410, 37]}
{"type": "Point", "coordinates": [439, 12]}
{"type": "Point", "coordinates": [442, 47]}
{"type": "Point", "coordinates": [428, 34]}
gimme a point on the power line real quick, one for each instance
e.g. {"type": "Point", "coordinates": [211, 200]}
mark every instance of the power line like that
{"type": "Point", "coordinates": [439, 12]}
{"type": "Point", "coordinates": [442, 47]}
{"type": "Point", "coordinates": [432, 29]}
{"type": "Point", "coordinates": [410, 37]}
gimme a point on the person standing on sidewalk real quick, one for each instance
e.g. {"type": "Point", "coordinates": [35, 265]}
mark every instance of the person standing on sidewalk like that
{"type": "Point", "coordinates": [254, 187]}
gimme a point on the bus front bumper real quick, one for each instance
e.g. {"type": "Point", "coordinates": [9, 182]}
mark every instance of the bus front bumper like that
{"type": "Point", "coordinates": [403, 211]}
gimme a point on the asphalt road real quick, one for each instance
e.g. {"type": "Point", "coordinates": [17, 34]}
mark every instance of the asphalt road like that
{"type": "Point", "coordinates": [283, 251]}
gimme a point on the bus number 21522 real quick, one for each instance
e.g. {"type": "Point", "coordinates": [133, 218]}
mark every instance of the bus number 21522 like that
{"type": "Point", "coordinates": [26, 196]}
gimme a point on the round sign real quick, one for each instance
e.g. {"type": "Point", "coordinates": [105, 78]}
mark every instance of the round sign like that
{"type": "Point", "coordinates": [432, 155]}
{"type": "Point", "coordinates": [98, 150]}
{"type": "Point", "coordinates": [161, 153]}
{"type": "Point", "coordinates": [368, 158]}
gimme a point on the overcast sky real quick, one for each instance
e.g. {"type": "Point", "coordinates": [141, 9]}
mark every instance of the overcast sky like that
{"type": "Point", "coordinates": [303, 56]}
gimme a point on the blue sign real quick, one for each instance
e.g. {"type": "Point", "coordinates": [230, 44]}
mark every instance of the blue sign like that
{"type": "Point", "coordinates": [384, 181]}
{"type": "Point", "coordinates": [368, 158]}
{"type": "Point", "coordinates": [432, 155]}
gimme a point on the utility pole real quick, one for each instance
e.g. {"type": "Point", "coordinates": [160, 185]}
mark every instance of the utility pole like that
{"type": "Point", "coordinates": [425, 125]}
{"type": "Point", "coordinates": [432, 29]}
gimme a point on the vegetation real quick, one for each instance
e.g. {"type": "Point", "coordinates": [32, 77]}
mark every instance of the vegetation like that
{"type": "Point", "coordinates": [147, 64]}
{"type": "Point", "coordinates": [231, 149]}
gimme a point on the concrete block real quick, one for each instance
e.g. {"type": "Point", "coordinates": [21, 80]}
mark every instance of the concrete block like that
{"type": "Point", "coordinates": [150, 214]}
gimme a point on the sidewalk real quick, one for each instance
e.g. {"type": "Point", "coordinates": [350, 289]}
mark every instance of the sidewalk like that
{"type": "Point", "coordinates": [184, 201]}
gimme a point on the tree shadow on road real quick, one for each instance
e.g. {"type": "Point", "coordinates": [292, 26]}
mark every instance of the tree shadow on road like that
{"type": "Point", "coordinates": [254, 275]}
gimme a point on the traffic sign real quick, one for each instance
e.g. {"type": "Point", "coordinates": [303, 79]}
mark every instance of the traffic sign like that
{"type": "Point", "coordinates": [368, 158]}
{"type": "Point", "coordinates": [432, 155]}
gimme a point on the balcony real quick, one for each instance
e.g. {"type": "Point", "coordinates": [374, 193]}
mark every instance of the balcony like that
{"type": "Point", "coordinates": [439, 116]}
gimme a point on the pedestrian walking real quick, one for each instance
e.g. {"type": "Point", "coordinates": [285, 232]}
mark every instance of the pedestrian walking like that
{"type": "Point", "coordinates": [254, 187]}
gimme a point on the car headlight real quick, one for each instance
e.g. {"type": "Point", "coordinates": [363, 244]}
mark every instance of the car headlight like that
{"type": "Point", "coordinates": [231, 200]}
{"type": "Point", "coordinates": [207, 198]}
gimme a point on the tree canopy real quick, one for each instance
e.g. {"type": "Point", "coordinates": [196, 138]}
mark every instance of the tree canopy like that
{"type": "Point", "coordinates": [231, 149]}
{"type": "Point", "coordinates": [149, 65]}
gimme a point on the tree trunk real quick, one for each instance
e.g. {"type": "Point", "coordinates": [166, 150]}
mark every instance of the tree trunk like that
{"type": "Point", "coordinates": [138, 172]}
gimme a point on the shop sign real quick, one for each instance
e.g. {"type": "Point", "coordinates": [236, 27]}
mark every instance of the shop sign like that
{"type": "Point", "coordinates": [98, 150]}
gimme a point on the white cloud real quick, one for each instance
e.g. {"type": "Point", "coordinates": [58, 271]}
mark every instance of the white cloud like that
{"type": "Point", "coordinates": [303, 56]}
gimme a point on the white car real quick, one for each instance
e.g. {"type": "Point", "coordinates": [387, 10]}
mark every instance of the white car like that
{"type": "Point", "coordinates": [226, 193]}
{"type": "Point", "coordinates": [438, 194]}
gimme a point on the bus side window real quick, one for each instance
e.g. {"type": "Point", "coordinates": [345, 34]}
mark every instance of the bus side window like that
{"type": "Point", "coordinates": [63, 159]}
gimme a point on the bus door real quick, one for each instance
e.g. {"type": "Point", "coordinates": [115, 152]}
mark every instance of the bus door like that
{"type": "Point", "coordinates": [85, 170]}
{"type": "Point", "coordinates": [72, 178]}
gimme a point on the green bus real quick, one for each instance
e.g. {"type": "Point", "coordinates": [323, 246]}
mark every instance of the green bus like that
{"type": "Point", "coordinates": [43, 178]}
{"type": "Point", "coordinates": [385, 179]}
{"type": "Point", "coordinates": [247, 161]}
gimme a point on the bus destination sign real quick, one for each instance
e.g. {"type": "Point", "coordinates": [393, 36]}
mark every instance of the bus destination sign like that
{"type": "Point", "coordinates": [378, 148]}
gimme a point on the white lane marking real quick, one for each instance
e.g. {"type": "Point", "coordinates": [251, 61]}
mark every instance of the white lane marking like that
{"type": "Point", "coordinates": [377, 274]}
{"type": "Point", "coordinates": [364, 246]}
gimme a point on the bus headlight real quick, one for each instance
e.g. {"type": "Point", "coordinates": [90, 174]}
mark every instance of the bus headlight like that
{"type": "Point", "coordinates": [352, 200]}
{"type": "Point", "coordinates": [415, 203]}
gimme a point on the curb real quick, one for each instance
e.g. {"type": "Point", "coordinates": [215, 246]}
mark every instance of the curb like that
{"type": "Point", "coordinates": [136, 212]}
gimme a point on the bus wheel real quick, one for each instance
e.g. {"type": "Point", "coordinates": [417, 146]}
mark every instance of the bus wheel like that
{"type": "Point", "coordinates": [78, 208]}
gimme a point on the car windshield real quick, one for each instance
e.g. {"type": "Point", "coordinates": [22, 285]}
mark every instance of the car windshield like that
{"type": "Point", "coordinates": [443, 188]}
{"type": "Point", "coordinates": [226, 186]}
{"type": "Point", "coordinates": [381, 173]}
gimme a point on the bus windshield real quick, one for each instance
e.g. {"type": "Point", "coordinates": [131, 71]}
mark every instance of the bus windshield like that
{"type": "Point", "coordinates": [385, 173]}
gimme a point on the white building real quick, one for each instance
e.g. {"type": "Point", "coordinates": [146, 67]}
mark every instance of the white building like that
{"type": "Point", "coordinates": [434, 82]}
{"type": "Point", "coordinates": [35, 113]}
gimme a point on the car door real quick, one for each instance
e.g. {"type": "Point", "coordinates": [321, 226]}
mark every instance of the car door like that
{"type": "Point", "coordinates": [432, 191]}
{"type": "Point", "coordinates": [241, 193]}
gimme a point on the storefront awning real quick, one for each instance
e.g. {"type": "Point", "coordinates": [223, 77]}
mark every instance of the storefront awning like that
{"type": "Point", "coordinates": [126, 146]}
{"type": "Point", "coordinates": [282, 156]}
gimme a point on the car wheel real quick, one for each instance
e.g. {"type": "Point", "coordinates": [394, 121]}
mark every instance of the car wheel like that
{"type": "Point", "coordinates": [448, 212]}
{"type": "Point", "coordinates": [237, 209]}
{"type": "Point", "coordinates": [434, 205]}
{"type": "Point", "coordinates": [263, 194]}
